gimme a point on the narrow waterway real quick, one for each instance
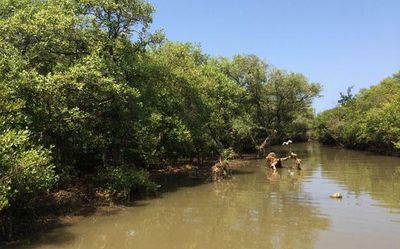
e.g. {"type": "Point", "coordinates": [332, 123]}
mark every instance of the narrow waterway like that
{"type": "Point", "coordinates": [258, 208]}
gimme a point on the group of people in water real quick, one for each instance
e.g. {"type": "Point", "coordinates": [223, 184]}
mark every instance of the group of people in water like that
{"type": "Point", "coordinates": [221, 169]}
{"type": "Point", "coordinates": [274, 162]}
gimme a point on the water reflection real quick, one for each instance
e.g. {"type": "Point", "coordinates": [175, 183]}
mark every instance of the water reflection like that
{"type": "Point", "coordinates": [248, 211]}
{"type": "Point", "coordinates": [268, 210]}
{"type": "Point", "coordinates": [259, 208]}
{"type": "Point", "coordinates": [364, 173]}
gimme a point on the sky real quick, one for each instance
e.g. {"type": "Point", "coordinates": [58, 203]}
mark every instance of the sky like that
{"type": "Point", "coordinates": [337, 43]}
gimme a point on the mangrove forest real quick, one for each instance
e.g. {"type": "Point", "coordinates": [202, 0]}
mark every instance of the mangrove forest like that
{"type": "Point", "coordinates": [92, 98]}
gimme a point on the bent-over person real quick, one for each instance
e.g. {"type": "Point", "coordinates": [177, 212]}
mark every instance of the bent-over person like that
{"type": "Point", "coordinates": [275, 162]}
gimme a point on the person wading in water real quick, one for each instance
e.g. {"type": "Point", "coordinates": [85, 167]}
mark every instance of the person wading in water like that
{"type": "Point", "coordinates": [274, 162]}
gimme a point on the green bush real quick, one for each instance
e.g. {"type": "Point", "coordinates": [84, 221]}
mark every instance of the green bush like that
{"type": "Point", "coordinates": [227, 154]}
{"type": "Point", "coordinates": [97, 88]}
{"type": "Point", "coordinates": [371, 120]}
{"type": "Point", "coordinates": [25, 169]}
{"type": "Point", "coordinates": [125, 180]}
{"type": "Point", "coordinates": [25, 172]}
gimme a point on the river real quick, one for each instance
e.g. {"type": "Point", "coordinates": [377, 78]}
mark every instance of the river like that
{"type": "Point", "coordinates": [258, 208]}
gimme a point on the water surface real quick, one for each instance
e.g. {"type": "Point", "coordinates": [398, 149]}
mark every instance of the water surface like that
{"type": "Point", "coordinates": [258, 208]}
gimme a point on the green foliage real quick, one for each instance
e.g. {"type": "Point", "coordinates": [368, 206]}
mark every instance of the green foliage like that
{"type": "Point", "coordinates": [274, 99]}
{"type": "Point", "coordinates": [25, 169]}
{"type": "Point", "coordinates": [87, 90]}
{"type": "Point", "coordinates": [346, 98]}
{"type": "Point", "coordinates": [289, 99]}
{"type": "Point", "coordinates": [371, 120]}
{"type": "Point", "coordinates": [227, 154]}
{"type": "Point", "coordinates": [92, 84]}
{"type": "Point", "coordinates": [124, 179]}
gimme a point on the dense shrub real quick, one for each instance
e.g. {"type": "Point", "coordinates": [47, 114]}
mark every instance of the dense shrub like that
{"type": "Point", "coordinates": [125, 180]}
{"type": "Point", "coordinates": [371, 120]}
{"type": "Point", "coordinates": [87, 91]}
{"type": "Point", "coordinates": [25, 172]}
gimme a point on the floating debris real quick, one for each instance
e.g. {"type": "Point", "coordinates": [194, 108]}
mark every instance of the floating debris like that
{"type": "Point", "coordinates": [336, 195]}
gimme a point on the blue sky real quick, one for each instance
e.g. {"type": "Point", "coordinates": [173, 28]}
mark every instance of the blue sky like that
{"type": "Point", "coordinates": [337, 43]}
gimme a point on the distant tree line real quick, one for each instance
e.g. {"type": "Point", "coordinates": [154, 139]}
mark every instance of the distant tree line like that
{"type": "Point", "coordinates": [369, 120]}
{"type": "Point", "coordinates": [87, 90]}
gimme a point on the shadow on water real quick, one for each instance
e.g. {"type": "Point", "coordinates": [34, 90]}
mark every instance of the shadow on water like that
{"type": "Point", "coordinates": [256, 208]}
{"type": "Point", "coordinates": [56, 231]}
{"type": "Point", "coordinates": [173, 182]}
{"type": "Point", "coordinates": [52, 237]}
{"type": "Point", "coordinates": [53, 230]}
{"type": "Point", "coordinates": [241, 172]}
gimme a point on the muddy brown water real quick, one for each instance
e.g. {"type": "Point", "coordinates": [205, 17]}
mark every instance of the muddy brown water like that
{"type": "Point", "coordinates": [259, 209]}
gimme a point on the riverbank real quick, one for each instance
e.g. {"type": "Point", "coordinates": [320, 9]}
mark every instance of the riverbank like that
{"type": "Point", "coordinates": [66, 206]}
{"type": "Point", "coordinates": [251, 210]}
